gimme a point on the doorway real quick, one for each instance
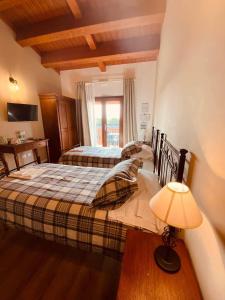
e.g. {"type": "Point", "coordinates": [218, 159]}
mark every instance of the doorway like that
{"type": "Point", "coordinates": [109, 121]}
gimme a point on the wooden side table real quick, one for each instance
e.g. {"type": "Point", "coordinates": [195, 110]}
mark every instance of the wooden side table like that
{"type": "Point", "coordinates": [142, 279]}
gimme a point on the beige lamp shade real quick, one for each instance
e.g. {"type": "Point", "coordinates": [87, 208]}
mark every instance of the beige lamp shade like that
{"type": "Point", "coordinates": [175, 205]}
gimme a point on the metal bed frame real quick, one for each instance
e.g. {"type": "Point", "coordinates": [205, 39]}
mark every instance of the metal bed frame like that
{"type": "Point", "coordinates": [169, 163]}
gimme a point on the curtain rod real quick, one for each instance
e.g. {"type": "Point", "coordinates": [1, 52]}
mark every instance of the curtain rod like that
{"type": "Point", "coordinates": [95, 80]}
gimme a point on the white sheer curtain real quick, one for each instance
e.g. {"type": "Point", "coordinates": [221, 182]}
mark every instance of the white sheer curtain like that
{"type": "Point", "coordinates": [90, 99]}
{"type": "Point", "coordinates": [129, 112]}
{"type": "Point", "coordinates": [80, 94]}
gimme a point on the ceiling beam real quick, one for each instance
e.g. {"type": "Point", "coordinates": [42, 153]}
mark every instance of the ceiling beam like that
{"type": "Point", "coordinates": [145, 55]}
{"type": "Point", "coordinates": [92, 22]}
{"type": "Point", "coordinates": [119, 59]}
{"type": "Point", "coordinates": [90, 41]}
{"type": "Point", "coordinates": [102, 66]}
{"type": "Point", "coordinates": [140, 48]}
{"type": "Point", "coordinates": [74, 7]}
{"type": "Point", "coordinates": [7, 4]}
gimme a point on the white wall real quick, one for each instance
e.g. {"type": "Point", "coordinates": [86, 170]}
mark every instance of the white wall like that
{"type": "Point", "coordinates": [190, 108]}
{"type": "Point", "coordinates": [25, 66]}
{"type": "Point", "coordinates": [144, 74]}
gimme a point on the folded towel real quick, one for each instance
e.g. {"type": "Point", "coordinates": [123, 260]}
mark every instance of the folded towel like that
{"type": "Point", "coordinates": [27, 174]}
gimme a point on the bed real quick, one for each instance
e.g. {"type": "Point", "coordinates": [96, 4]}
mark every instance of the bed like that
{"type": "Point", "coordinates": [56, 206]}
{"type": "Point", "coordinates": [88, 156]}
{"type": "Point", "coordinates": [102, 157]}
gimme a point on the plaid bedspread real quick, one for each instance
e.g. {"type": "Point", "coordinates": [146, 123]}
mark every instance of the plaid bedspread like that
{"type": "Point", "coordinates": [86, 156]}
{"type": "Point", "coordinates": [53, 206]}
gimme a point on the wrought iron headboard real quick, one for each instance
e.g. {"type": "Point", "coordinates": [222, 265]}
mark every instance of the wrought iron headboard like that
{"type": "Point", "coordinates": [171, 162]}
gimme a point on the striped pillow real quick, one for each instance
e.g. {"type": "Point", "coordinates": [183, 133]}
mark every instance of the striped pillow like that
{"type": "Point", "coordinates": [129, 149]}
{"type": "Point", "coordinates": [120, 184]}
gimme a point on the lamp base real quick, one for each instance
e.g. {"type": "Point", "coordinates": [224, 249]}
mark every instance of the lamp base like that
{"type": "Point", "coordinates": [167, 259]}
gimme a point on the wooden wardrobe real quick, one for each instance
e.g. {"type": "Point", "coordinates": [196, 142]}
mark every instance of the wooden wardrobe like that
{"type": "Point", "coordinates": [59, 121]}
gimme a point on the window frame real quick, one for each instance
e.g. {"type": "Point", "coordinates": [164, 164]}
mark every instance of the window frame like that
{"type": "Point", "coordinates": [104, 100]}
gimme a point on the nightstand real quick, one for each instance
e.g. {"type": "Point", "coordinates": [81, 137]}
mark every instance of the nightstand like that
{"type": "Point", "coordinates": [142, 279]}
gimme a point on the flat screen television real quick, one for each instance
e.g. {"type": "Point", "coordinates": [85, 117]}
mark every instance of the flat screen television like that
{"type": "Point", "coordinates": [22, 112]}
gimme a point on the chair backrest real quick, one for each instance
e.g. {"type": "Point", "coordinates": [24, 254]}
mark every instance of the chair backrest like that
{"type": "Point", "coordinates": [3, 167]}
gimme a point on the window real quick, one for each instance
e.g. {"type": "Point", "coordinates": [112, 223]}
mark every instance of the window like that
{"type": "Point", "coordinates": [109, 121]}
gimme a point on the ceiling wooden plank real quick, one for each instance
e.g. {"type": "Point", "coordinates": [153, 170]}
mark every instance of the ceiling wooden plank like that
{"type": "Point", "coordinates": [143, 47]}
{"type": "Point", "coordinates": [74, 7]}
{"type": "Point", "coordinates": [7, 4]}
{"type": "Point", "coordinates": [102, 66]}
{"type": "Point", "coordinates": [62, 27]}
{"type": "Point", "coordinates": [90, 41]}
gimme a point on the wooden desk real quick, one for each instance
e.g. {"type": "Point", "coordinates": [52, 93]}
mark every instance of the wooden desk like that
{"type": "Point", "coordinates": [26, 146]}
{"type": "Point", "coordinates": [142, 279]}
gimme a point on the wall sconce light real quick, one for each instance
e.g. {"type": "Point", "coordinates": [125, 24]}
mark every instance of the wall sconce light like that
{"type": "Point", "coordinates": [14, 83]}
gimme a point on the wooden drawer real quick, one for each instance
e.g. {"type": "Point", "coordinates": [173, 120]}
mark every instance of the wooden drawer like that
{"type": "Point", "coordinates": [41, 143]}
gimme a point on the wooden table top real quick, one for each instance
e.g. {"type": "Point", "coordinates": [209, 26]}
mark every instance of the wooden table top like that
{"type": "Point", "coordinates": [23, 143]}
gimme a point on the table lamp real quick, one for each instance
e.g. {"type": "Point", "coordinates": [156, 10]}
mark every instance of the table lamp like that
{"type": "Point", "coordinates": [175, 205]}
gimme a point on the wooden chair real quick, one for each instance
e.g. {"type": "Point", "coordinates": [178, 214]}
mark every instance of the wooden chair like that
{"type": "Point", "coordinates": [4, 171]}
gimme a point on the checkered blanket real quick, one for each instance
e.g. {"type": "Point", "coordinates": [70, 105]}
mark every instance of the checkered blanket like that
{"type": "Point", "coordinates": [55, 206]}
{"type": "Point", "coordinates": [86, 156]}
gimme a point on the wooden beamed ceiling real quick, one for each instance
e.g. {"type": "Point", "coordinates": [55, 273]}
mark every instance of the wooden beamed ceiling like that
{"type": "Point", "coordinates": [74, 7]}
{"type": "Point", "coordinates": [70, 34]}
{"type": "Point", "coordinates": [6, 4]}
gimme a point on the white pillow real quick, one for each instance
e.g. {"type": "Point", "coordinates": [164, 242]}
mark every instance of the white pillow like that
{"type": "Point", "coordinates": [145, 153]}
